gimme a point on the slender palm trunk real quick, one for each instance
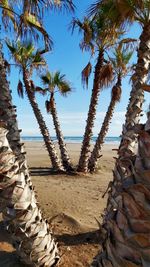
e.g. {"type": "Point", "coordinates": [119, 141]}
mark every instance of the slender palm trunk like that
{"type": "Point", "coordinates": [84, 156]}
{"type": "Point", "coordinates": [63, 150]}
{"type": "Point", "coordinates": [127, 224]}
{"type": "Point", "coordinates": [137, 95]}
{"type": "Point", "coordinates": [95, 155]}
{"type": "Point", "coordinates": [29, 231]}
{"type": "Point", "coordinates": [45, 133]}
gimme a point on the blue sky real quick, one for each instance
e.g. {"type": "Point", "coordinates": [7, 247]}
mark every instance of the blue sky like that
{"type": "Point", "coordinates": [69, 59]}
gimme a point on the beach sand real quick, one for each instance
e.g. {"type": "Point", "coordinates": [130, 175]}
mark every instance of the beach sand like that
{"type": "Point", "coordinates": [72, 204]}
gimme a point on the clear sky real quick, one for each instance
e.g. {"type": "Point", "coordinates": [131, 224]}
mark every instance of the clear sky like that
{"type": "Point", "coordinates": [69, 59]}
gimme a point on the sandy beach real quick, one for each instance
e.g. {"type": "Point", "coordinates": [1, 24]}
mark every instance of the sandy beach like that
{"type": "Point", "coordinates": [72, 204]}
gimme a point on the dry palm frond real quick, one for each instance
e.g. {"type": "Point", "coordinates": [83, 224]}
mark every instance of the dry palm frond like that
{"type": "Point", "coordinates": [7, 66]}
{"type": "Point", "coordinates": [146, 87]}
{"type": "Point", "coordinates": [20, 89]}
{"type": "Point", "coordinates": [106, 75]}
{"type": "Point", "coordinates": [32, 85]}
{"type": "Point", "coordinates": [48, 106]}
{"type": "Point", "coordinates": [86, 73]}
{"type": "Point", "coordinates": [40, 90]}
{"type": "Point", "coordinates": [116, 93]}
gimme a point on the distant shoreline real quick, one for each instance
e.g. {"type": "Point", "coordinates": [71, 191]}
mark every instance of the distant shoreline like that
{"type": "Point", "coordinates": [72, 139]}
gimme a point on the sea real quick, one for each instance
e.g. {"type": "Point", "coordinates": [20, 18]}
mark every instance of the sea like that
{"type": "Point", "coordinates": [73, 139]}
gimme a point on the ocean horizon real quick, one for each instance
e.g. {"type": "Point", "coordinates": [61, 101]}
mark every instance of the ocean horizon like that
{"type": "Point", "coordinates": [73, 139]}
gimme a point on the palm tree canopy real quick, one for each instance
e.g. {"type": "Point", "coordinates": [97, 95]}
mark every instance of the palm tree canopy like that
{"type": "Point", "coordinates": [122, 54]}
{"type": "Point", "coordinates": [122, 11]}
{"type": "Point", "coordinates": [25, 55]}
{"type": "Point", "coordinates": [27, 19]}
{"type": "Point", "coordinates": [57, 81]}
{"type": "Point", "coordinates": [97, 34]}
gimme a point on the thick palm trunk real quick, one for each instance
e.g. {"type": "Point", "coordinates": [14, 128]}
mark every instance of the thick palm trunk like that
{"type": "Point", "coordinates": [95, 155]}
{"type": "Point", "coordinates": [63, 150]}
{"type": "Point", "coordinates": [29, 231]}
{"type": "Point", "coordinates": [137, 95]}
{"type": "Point", "coordinates": [83, 161]}
{"type": "Point", "coordinates": [127, 219]}
{"type": "Point", "coordinates": [45, 133]}
{"type": "Point", "coordinates": [8, 111]}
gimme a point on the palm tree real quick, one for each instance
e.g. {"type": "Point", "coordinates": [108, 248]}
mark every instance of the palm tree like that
{"type": "Point", "coordinates": [122, 56]}
{"type": "Point", "coordinates": [127, 220]}
{"type": "Point", "coordinates": [56, 82]}
{"type": "Point", "coordinates": [27, 59]}
{"type": "Point", "coordinates": [17, 199]}
{"type": "Point", "coordinates": [97, 37]}
{"type": "Point", "coordinates": [125, 12]}
{"type": "Point", "coordinates": [15, 167]}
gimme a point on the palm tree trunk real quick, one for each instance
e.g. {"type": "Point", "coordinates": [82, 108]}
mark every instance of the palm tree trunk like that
{"type": "Point", "coordinates": [45, 133]}
{"type": "Point", "coordinates": [84, 156]}
{"type": "Point", "coordinates": [8, 111]}
{"type": "Point", "coordinates": [29, 231]}
{"type": "Point", "coordinates": [137, 95]}
{"type": "Point", "coordinates": [127, 219]}
{"type": "Point", "coordinates": [64, 153]}
{"type": "Point", "coordinates": [95, 155]}
{"type": "Point", "coordinates": [15, 180]}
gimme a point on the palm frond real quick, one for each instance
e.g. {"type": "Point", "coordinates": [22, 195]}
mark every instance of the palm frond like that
{"type": "Point", "coordinates": [29, 22]}
{"type": "Point", "coordinates": [106, 75]}
{"type": "Point", "coordinates": [48, 106]}
{"type": "Point", "coordinates": [20, 89]}
{"type": "Point", "coordinates": [40, 90]}
{"type": "Point", "coordinates": [85, 74]}
{"type": "Point", "coordinates": [46, 79]}
{"type": "Point", "coordinates": [8, 14]}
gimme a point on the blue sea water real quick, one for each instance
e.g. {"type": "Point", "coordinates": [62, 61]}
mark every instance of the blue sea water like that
{"type": "Point", "coordinates": [73, 139]}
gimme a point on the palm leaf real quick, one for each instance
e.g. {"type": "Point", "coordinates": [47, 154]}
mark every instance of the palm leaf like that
{"type": "Point", "coordinates": [30, 21]}
{"type": "Point", "coordinates": [8, 14]}
{"type": "Point", "coordinates": [85, 74]}
{"type": "Point", "coordinates": [20, 89]}
{"type": "Point", "coordinates": [40, 90]}
{"type": "Point", "coordinates": [106, 75]}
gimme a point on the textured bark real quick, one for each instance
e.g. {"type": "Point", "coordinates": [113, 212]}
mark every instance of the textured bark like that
{"type": "Point", "coordinates": [29, 231]}
{"type": "Point", "coordinates": [63, 150]}
{"type": "Point", "coordinates": [84, 156]}
{"type": "Point", "coordinates": [127, 217]}
{"type": "Point", "coordinates": [8, 112]}
{"type": "Point", "coordinates": [95, 155]}
{"type": "Point", "coordinates": [137, 95]}
{"type": "Point", "coordinates": [45, 133]}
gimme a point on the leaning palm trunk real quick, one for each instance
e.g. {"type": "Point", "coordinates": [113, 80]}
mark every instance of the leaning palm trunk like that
{"type": "Point", "coordinates": [95, 155]}
{"type": "Point", "coordinates": [45, 133]}
{"type": "Point", "coordinates": [84, 157]}
{"type": "Point", "coordinates": [8, 111]}
{"type": "Point", "coordinates": [63, 150]}
{"type": "Point", "coordinates": [127, 218]}
{"type": "Point", "coordinates": [29, 231]}
{"type": "Point", "coordinates": [137, 95]}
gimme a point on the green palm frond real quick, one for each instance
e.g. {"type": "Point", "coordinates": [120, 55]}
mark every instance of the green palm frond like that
{"type": "Point", "coordinates": [25, 55]}
{"type": "Point", "coordinates": [8, 14]}
{"type": "Point", "coordinates": [56, 80]}
{"type": "Point", "coordinates": [46, 79]}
